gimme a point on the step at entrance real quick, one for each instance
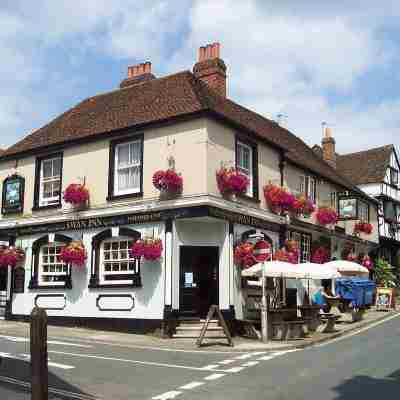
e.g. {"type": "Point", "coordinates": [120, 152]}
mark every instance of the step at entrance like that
{"type": "Point", "coordinates": [191, 328]}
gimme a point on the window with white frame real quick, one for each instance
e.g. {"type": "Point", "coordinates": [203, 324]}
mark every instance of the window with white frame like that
{"type": "Point", "coordinates": [52, 270]}
{"type": "Point", "coordinates": [116, 264]}
{"type": "Point", "coordinates": [308, 186]}
{"type": "Point", "coordinates": [50, 181]}
{"type": "Point", "coordinates": [363, 211]}
{"type": "Point", "coordinates": [128, 168]}
{"type": "Point", "coordinates": [334, 202]}
{"type": "Point", "coordinates": [304, 242]}
{"type": "Point", "coordinates": [244, 163]}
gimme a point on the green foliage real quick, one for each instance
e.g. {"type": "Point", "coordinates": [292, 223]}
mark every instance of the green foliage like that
{"type": "Point", "coordinates": [383, 273]}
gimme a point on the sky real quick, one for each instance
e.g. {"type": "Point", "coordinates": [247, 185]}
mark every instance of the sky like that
{"type": "Point", "coordinates": [310, 61]}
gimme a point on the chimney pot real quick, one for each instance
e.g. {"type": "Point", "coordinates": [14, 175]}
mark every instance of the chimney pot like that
{"type": "Point", "coordinates": [329, 147]}
{"type": "Point", "coordinates": [211, 69]}
{"type": "Point", "coordinates": [137, 74]}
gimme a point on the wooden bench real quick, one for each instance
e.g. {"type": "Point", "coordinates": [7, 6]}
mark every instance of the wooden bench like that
{"type": "Point", "coordinates": [330, 320]}
{"type": "Point", "coordinates": [284, 330]}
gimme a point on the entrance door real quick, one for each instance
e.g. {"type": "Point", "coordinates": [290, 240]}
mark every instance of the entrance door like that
{"type": "Point", "coordinates": [198, 280]}
{"type": "Point", "coordinates": [3, 290]}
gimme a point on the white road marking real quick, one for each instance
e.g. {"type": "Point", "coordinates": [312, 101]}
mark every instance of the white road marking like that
{"type": "Point", "coordinates": [70, 395]}
{"type": "Point", "coordinates": [235, 369]}
{"type": "Point", "coordinates": [358, 331]}
{"type": "Point", "coordinates": [167, 395]}
{"type": "Point", "coordinates": [244, 356]}
{"type": "Point", "coordinates": [210, 367]}
{"type": "Point", "coordinates": [213, 377]}
{"type": "Point", "coordinates": [226, 362]}
{"type": "Point", "coordinates": [191, 385]}
{"type": "Point", "coordinates": [259, 353]}
{"type": "Point", "coordinates": [128, 361]}
{"type": "Point", "coordinates": [26, 340]}
{"type": "Point", "coordinates": [250, 364]}
{"type": "Point", "coordinates": [27, 358]}
{"type": "Point", "coordinates": [266, 358]}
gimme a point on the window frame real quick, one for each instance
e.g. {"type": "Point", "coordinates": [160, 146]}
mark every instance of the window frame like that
{"type": "Point", "coordinates": [253, 191]}
{"type": "Point", "coordinates": [304, 256]}
{"type": "Point", "coordinates": [394, 172]}
{"type": "Point", "coordinates": [41, 272]}
{"type": "Point", "coordinates": [95, 282]}
{"type": "Point", "coordinates": [307, 189]}
{"type": "Point", "coordinates": [35, 282]}
{"type": "Point", "coordinates": [114, 194]}
{"type": "Point", "coordinates": [38, 205]}
{"type": "Point", "coordinates": [128, 273]}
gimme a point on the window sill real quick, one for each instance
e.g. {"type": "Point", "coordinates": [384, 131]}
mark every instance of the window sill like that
{"type": "Point", "coordinates": [248, 198]}
{"type": "Point", "coordinates": [116, 286]}
{"type": "Point", "coordinates": [124, 196]}
{"type": "Point", "coordinates": [50, 287]}
{"type": "Point", "coordinates": [50, 207]}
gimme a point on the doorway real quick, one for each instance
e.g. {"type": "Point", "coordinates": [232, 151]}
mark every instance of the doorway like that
{"type": "Point", "coordinates": [199, 280]}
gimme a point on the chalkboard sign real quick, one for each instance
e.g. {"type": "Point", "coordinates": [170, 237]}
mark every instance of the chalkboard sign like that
{"type": "Point", "coordinates": [19, 280]}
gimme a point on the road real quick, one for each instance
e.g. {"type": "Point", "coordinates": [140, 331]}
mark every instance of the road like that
{"type": "Point", "coordinates": [365, 365]}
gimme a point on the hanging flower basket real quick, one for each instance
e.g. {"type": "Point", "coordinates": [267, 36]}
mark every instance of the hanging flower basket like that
{"type": "Point", "coordinates": [11, 256]}
{"type": "Point", "coordinates": [367, 262]}
{"type": "Point", "coordinates": [303, 206]}
{"type": "Point", "coordinates": [244, 255]}
{"type": "Point", "coordinates": [149, 248]}
{"type": "Point", "coordinates": [168, 182]}
{"type": "Point", "coordinates": [321, 255]}
{"type": "Point", "coordinates": [327, 216]}
{"type": "Point", "coordinates": [363, 227]}
{"type": "Point", "coordinates": [76, 194]}
{"type": "Point", "coordinates": [289, 253]}
{"type": "Point", "coordinates": [74, 253]}
{"type": "Point", "coordinates": [231, 181]}
{"type": "Point", "coordinates": [278, 198]}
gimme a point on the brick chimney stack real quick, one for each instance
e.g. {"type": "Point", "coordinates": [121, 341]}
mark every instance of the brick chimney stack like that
{"type": "Point", "coordinates": [137, 74]}
{"type": "Point", "coordinates": [211, 69]}
{"type": "Point", "coordinates": [329, 147]}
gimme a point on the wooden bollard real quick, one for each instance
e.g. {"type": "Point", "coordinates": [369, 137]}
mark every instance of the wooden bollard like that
{"type": "Point", "coordinates": [39, 369]}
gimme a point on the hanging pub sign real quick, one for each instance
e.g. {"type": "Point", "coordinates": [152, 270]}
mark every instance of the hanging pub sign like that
{"type": "Point", "coordinates": [13, 195]}
{"type": "Point", "coordinates": [347, 208]}
{"type": "Point", "coordinates": [262, 251]}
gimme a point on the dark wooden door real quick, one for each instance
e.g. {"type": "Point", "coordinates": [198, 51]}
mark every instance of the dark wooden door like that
{"type": "Point", "coordinates": [198, 279]}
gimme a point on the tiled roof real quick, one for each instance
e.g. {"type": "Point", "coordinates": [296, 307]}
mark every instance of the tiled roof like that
{"type": "Point", "coordinates": [159, 100]}
{"type": "Point", "coordinates": [366, 166]}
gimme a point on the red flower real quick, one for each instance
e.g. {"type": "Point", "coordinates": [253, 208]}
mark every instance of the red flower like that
{"type": "Point", "coordinates": [278, 198]}
{"type": "Point", "coordinates": [150, 249]}
{"type": "Point", "coordinates": [229, 180]}
{"type": "Point", "coordinates": [76, 194]}
{"type": "Point", "coordinates": [289, 253]}
{"type": "Point", "coordinates": [303, 206]}
{"type": "Point", "coordinates": [168, 180]}
{"type": "Point", "coordinates": [244, 255]}
{"type": "Point", "coordinates": [321, 255]}
{"type": "Point", "coordinates": [367, 262]}
{"type": "Point", "coordinates": [10, 256]}
{"type": "Point", "coordinates": [364, 227]}
{"type": "Point", "coordinates": [327, 216]}
{"type": "Point", "coordinates": [74, 253]}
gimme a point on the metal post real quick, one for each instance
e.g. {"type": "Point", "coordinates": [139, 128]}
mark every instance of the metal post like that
{"type": "Point", "coordinates": [264, 310]}
{"type": "Point", "coordinates": [38, 344]}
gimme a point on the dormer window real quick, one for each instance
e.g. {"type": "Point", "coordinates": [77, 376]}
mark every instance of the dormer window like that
{"type": "Point", "coordinates": [48, 181]}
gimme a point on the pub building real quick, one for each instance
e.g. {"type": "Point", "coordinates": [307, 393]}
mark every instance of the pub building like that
{"type": "Point", "coordinates": [115, 149]}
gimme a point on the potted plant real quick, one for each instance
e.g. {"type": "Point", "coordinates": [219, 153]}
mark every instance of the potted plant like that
{"type": "Point", "coordinates": [11, 256]}
{"type": "Point", "coordinates": [303, 206]}
{"type": "Point", "coordinates": [77, 194]}
{"type": "Point", "coordinates": [231, 182]}
{"type": "Point", "coordinates": [244, 255]}
{"type": "Point", "coordinates": [363, 227]}
{"type": "Point", "coordinates": [149, 248]}
{"type": "Point", "coordinates": [168, 182]}
{"type": "Point", "coordinates": [278, 198]}
{"type": "Point", "coordinates": [74, 253]}
{"type": "Point", "coordinates": [327, 216]}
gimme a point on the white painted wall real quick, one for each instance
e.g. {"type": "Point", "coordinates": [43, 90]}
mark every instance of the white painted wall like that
{"type": "Point", "coordinates": [81, 301]}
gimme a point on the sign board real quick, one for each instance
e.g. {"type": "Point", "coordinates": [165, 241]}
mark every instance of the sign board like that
{"type": "Point", "coordinates": [13, 195]}
{"type": "Point", "coordinates": [384, 298]}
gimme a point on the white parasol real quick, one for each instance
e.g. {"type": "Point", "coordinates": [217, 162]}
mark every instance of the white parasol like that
{"type": "Point", "coordinates": [274, 269]}
{"type": "Point", "coordinates": [318, 271]}
{"type": "Point", "coordinates": [347, 266]}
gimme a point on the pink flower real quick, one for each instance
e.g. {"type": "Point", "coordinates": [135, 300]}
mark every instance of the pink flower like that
{"type": "Point", "coordinates": [150, 249]}
{"type": "Point", "coordinates": [327, 216]}
{"type": "Point", "coordinates": [76, 194]}
{"type": "Point", "coordinates": [74, 253]}
{"type": "Point", "coordinates": [168, 180]}
{"type": "Point", "coordinates": [229, 180]}
{"type": "Point", "coordinates": [10, 256]}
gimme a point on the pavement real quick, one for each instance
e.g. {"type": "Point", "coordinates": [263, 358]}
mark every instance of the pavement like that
{"type": "Point", "coordinates": [87, 365]}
